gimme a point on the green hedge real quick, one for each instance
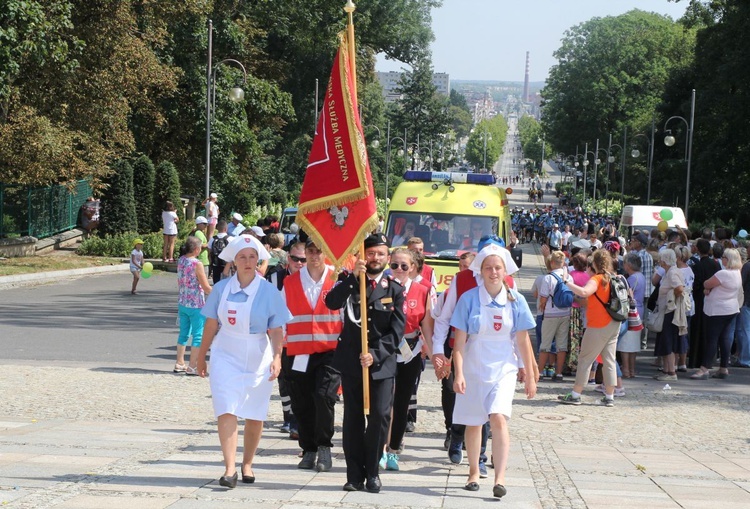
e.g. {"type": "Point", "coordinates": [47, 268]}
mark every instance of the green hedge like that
{"type": "Point", "coordinates": [121, 244]}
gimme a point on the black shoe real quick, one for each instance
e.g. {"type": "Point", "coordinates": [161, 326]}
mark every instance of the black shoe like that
{"type": "Point", "coordinates": [324, 462]}
{"type": "Point", "coordinates": [354, 486]}
{"type": "Point", "coordinates": [447, 441]}
{"type": "Point", "coordinates": [308, 460]}
{"type": "Point", "coordinates": [499, 491]}
{"type": "Point", "coordinates": [409, 427]}
{"type": "Point", "coordinates": [373, 484]}
{"type": "Point", "coordinates": [471, 486]}
{"type": "Point", "coordinates": [248, 479]}
{"type": "Point", "coordinates": [228, 481]}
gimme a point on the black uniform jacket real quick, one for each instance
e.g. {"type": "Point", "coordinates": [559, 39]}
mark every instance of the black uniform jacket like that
{"type": "Point", "coordinates": [385, 325]}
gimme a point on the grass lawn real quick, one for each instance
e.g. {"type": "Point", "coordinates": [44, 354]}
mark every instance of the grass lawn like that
{"type": "Point", "coordinates": [31, 264]}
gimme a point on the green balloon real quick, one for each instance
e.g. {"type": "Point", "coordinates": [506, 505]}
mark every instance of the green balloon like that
{"type": "Point", "coordinates": [666, 214]}
{"type": "Point", "coordinates": [146, 275]}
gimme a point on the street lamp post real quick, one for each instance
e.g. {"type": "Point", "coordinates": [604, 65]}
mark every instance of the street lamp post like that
{"type": "Point", "coordinates": [669, 140]}
{"type": "Point", "coordinates": [650, 158]}
{"type": "Point", "coordinates": [236, 94]}
{"type": "Point", "coordinates": [586, 153]}
{"type": "Point", "coordinates": [610, 160]}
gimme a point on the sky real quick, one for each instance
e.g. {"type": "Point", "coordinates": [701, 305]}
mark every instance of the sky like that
{"type": "Point", "coordinates": [488, 39]}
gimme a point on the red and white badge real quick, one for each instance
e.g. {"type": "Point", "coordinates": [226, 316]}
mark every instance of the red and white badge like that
{"type": "Point", "coordinates": [412, 303]}
{"type": "Point", "coordinates": [411, 200]}
{"type": "Point", "coordinates": [498, 326]}
{"type": "Point", "coordinates": [232, 320]}
{"type": "Point", "coordinates": [498, 322]}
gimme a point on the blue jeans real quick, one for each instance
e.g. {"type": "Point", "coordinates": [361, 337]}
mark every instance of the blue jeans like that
{"type": "Point", "coordinates": [719, 330]}
{"type": "Point", "coordinates": [743, 336]}
{"type": "Point", "coordinates": [191, 324]}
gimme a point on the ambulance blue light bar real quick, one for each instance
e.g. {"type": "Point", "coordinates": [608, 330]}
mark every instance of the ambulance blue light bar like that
{"type": "Point", "coordinates": [487, 179]}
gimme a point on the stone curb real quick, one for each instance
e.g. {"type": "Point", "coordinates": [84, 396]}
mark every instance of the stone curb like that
{"type": "Point", "coordinates": [56, 275]}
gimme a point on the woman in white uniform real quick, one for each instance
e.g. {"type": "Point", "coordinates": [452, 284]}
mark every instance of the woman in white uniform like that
{"type": "Point", "coordinates": [491, 341]}
{"type": "Point", "coordinates": [242, 313]}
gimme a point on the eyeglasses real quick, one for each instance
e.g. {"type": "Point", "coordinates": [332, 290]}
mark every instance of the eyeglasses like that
{"type": "Point", "coordinates": [298, 259]}
{"type": "Point", "coordinates": [395, 266]}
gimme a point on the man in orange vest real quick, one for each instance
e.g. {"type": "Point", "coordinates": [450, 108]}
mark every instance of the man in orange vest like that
{"type": "Point", "coordinates": [276, 276]}
{"type": "Point", "coordinates": [311, 339]}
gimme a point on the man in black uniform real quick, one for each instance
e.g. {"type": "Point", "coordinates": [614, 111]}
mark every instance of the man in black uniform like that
{"type": "Point", "coordinates": [363, 442]}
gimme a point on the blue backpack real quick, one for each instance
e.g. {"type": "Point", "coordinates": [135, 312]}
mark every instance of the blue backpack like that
{"type": "Point", "coordinates": [562, 296]}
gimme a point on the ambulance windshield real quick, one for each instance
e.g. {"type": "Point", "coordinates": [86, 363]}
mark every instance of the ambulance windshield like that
{"type": "Point", "coordinates": [443, 235]}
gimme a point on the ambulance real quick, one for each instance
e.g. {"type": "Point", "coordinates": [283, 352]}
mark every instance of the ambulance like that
{"type": "Point", "coordinates": [647, 217]}
{"type": "Point", "coordinates": [450, 212]}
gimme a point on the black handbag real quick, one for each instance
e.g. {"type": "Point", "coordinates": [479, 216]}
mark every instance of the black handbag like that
{"type": "Point", "coordinates": [651, 303]}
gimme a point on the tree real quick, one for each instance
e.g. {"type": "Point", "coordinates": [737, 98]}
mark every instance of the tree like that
{"type": "Point", "coordinates": [144, 176]}
{"type": "Point", "coordinates": [611, 75]}
{"type": "Point", "coordinates": [488, 137]}
{"type": "Point", "coordinates": [421, 111]}
{"type": "Point", "coordinates": [720, 74]}
{"type": "Point", "coordinates": [166, 188]}
{"type": "Point", "coordinates": [118, 203]}
{"type": "Point", "coordinates": [461, 121]}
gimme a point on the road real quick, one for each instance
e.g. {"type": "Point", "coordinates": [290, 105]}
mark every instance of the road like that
{"type": "Point", "coordinates": [91, 319]}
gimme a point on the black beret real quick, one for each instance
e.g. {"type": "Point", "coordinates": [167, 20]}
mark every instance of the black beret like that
{"type": "Point", "coordinates": [377, 239]}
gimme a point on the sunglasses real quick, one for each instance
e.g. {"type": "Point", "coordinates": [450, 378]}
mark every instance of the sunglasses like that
{"type": "Point", "coordinates": [298, 259]}
{"type": "Point", "coordinates": [395, 266]}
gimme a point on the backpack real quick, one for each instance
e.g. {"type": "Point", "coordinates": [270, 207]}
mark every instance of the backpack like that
{"type": "Point", "coordinates": [618, 304]}
{"type": "Point", "coordinates": [216, 248]}
{"type": "Point", "coordinates": [562, 296]}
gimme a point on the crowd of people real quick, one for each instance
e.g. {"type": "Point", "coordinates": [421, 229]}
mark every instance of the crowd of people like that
{"type": "Point", "coordinates": [277, 312]}
{"type": "Point", "coordinates": [689, 293]}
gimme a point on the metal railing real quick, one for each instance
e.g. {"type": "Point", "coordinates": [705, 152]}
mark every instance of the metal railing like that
{"type": "Point", "coordinates": [41, 212]}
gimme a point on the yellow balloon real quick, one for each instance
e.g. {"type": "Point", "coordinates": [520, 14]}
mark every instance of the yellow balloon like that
{"type": "Point", "coordinates": [662, 226]}
{"type": "Point", "coordinates": [148, 267]}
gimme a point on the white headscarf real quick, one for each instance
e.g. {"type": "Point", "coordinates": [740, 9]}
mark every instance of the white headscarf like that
{"type": "Point", "coordinates": [241, 242]}
{"type": "Point", "coordinates": [494, 250]}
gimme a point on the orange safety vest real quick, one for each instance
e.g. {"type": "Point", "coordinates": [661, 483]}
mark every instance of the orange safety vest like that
{"type": "Point", "coordinates": [310, 330]}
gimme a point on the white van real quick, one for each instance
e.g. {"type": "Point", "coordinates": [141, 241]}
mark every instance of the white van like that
{"type": "Point", "coordinates": [646, 217]}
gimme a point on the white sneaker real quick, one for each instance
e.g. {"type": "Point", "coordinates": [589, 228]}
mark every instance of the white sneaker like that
{"type": "Point", "coordinates": [619, 391]}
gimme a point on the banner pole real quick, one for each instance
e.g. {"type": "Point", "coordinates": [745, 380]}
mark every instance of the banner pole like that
{"type": "Point", "coordinates": [349, 8]}
{"type": "Point", "coordinates": [363, 328]}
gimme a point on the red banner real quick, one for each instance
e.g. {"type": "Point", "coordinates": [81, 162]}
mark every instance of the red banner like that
{"type": "Point", "coordinates": [337, 202]}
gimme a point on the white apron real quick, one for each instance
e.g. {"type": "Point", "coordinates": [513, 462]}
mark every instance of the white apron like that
{"type": "Point", "coordinates": [240, 361]}
{"type": "Point", "coordinates": [490, 365]}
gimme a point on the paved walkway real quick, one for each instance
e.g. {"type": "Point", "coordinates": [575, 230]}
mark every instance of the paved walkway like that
{"type": "Point", "coordinates": [91, 436]}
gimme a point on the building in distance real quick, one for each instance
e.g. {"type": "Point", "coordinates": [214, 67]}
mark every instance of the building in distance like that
{"type": "Point", "coordinates": [390, 82]}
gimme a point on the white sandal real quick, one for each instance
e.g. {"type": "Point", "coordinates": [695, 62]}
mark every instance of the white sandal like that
{"type": "Point", "coordinates": [179, 368]}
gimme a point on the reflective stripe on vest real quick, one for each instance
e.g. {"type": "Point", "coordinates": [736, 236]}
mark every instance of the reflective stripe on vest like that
{"type": "Point", "coordinates": [310, 331]}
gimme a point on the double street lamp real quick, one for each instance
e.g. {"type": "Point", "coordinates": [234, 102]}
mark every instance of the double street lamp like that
{"type": "Point", "coordinates": [236, 94]}
{"type": "Point", "coordinates": [669, 141]}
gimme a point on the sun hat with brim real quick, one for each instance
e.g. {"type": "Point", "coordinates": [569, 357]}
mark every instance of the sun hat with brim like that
{"type": "Point", "coordinates": [137, 241]}
{"type": "Point", "coordinates": [237, 244]}
{"type": "Point", "coordinates": [494, 250]}
{"type": "Point", "coordinates": [201, 220]}
{"type": "Point", "coordinates": [237, 216]}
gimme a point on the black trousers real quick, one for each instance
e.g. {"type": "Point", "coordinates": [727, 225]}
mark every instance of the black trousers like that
{"type": "Point", "coordinates": [412, 417]}
{"type": "Point", "coordinates": [363, 441]}
{"type": "Point", "coordinates": [313, 396]}
{"type": "Point", "coordinates": [407, 376]}
{"type": "Point", "coordinates": [286, 399]}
